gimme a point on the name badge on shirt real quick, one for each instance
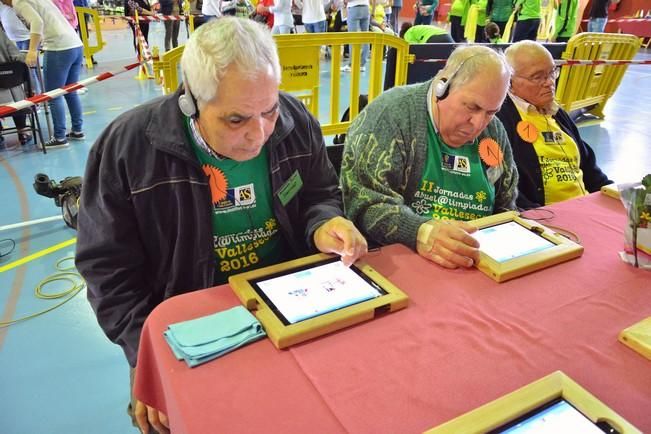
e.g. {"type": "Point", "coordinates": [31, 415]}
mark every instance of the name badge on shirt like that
{"type": "Point", "coordinates": [552, 137]}
{"type": "Point", "coordinates": [289, 189]}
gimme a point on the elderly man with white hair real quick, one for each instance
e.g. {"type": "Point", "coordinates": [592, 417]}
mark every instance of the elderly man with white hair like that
{"type": "Point", "coordinates": [184, 191]}
{"type": "Point", "coordinates": [421, 160]}
{"type": "Point", "coordinates": [553, 161]}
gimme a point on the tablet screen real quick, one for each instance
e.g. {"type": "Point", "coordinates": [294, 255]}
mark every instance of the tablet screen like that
{"type": "Point", "coordinates": [509, 240]}
{"type": "Point", "coordinates": [302, 293]}
{"type": "Point", "coordinates": [558, 416]}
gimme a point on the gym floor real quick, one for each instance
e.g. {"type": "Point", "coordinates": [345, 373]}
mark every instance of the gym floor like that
{"type": "Point", "coordinates": [58, 372]}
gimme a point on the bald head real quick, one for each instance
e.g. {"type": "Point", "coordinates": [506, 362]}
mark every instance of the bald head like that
{"type": "Point", "coordinates": [472, 61]}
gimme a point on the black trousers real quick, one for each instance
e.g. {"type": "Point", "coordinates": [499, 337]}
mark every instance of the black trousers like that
{"type": "Point", "coordinates": [527, 29]}
{"type": "Point", "coordinates": [456, 29]}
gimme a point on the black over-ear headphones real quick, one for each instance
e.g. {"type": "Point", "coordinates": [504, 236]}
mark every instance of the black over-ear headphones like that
{"type": "Point", "coordinates": [187, 102]}
{"type": "Point", "coordinates": [442, 85]}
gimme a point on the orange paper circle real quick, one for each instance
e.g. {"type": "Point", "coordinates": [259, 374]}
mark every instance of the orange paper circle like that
{"type": "Point", "coordinates": [527, 131]}
{"type": "Point", "coordinates": [490, 152]}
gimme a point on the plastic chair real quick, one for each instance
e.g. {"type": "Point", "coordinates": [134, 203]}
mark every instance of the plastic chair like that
{"type": "Point", "coordinates": [13, 74]}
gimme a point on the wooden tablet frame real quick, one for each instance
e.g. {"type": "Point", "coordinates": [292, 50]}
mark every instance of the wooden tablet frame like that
{"type": "Point", "coordinates": [563, 249]}
{"type": "Point", "coordinates": [283, 335]}
{"type": "Point", "coordinates": [509, 407]}
{"type": "Point", "coordinates": [610, 190]}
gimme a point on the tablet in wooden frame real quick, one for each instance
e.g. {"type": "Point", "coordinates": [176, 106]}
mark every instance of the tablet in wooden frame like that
{"type": "Point", "coordinates": [563, 249]}
{"type": "Point", "coordinates": [510, 407]}
{"type": "Point", "coordinates": [284, 335]}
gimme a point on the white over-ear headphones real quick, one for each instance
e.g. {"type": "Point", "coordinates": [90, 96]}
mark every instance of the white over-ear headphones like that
{"type": "Point", "coordinates": [187, 102]}
{"type": "Point", "coordinates": [442, 85]}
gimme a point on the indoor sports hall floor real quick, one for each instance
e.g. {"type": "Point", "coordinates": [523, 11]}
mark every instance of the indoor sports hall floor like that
{"type": "Point", "coordinates": [58, 372]}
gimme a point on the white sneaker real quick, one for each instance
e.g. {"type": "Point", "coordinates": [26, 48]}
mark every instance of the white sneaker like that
{"type": "Point", "coordinates": [82, 91]}
{"type": "Point", "coordinates": [345, 68]}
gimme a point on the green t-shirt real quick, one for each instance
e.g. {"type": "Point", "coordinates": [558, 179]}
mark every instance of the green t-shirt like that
{"type": "Point", "coordinates": [459, 8]}
{"type": "Point", "coordinates": [530, 9]}
{"type": "Point", "coordinates": [454, 185]}
{"type": "Point", "coordinates": [246, 234]}
{"type": "Point", "coordinates": [501, 11]}
{"type": "Point", "coordinates": [419, 34]}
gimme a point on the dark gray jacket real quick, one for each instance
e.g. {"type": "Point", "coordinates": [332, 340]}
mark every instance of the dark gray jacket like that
{"type": "Point", "coordinates": [145, 228]}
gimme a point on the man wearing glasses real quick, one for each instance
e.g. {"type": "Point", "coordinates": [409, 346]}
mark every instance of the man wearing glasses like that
{"type": "Point", "coordinates": [553, 162]}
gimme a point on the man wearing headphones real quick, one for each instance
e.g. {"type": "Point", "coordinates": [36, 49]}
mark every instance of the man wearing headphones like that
{"type": "Point", "coordinates": [553, 161]}
{"type": "Point", "coordinates": [421, 159]}
{"type": "Point", "coordinates": [186, 190]}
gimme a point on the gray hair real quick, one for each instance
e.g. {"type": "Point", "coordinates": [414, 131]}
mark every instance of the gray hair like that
{"type": "Point", "coordinates": [520, 48]}
{"type": "Point", "coordinates": [223, 42]}
{"type": "Point", "coordinates": [468, 61]}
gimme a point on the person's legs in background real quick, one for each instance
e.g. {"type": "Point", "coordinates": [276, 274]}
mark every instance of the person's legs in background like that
{"type": "Point", "coordinates": [526, 29]}
{"type": "Point", "coordinates": [59, 68]}
{"type": "Point", "coordinates": [422, 19]}
{"type": "Point", "coordinates": [597, 25]}
{"type": "Point", "coordinates": [176, 25]}
{"type": "Point", "coordinates": [358, 21]}
{"type": "Point", "coordinates": [456, 29]}
{"type": "Point", "coordinates": [72, 99]}
{"type": "Point", "coordinates": [395, 17]}
{"type": "Point", "coordinates": [168, 34]}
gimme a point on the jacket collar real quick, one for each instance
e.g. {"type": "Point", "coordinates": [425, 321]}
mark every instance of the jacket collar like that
{"type": "Point", "coordinates": [527, 107]}
{"type": "Point", "coordinates": [166, 129]}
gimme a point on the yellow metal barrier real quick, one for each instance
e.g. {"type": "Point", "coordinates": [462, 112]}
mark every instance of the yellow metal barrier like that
{"type": "Point", "coordinates": [506, 37]}
{"type": "Point", "coordinates": [470, 28]}
{"type": "Point", "coordinates": [168, 67]}
{"type": "Point", "coordinates": [89, 50]}
{"type": "Point", "coordinates": [547, 20]}
{"type": "Point", "coordinates": [301, 69]}
{"type": "Point", "coordinates": [592, 85]}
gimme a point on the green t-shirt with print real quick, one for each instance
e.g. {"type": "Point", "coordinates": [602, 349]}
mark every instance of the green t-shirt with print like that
{"type": "Point", "coordinates": [454, 185]}
{"type": "Point", "coordinates": [246, 234]}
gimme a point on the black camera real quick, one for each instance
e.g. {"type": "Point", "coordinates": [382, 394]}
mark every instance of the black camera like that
{"type": "Point", "coordinates": [65, 194]}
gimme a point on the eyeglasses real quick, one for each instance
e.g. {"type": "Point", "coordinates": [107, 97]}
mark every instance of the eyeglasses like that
{"type": "Point", "coordinates": [541, 78]}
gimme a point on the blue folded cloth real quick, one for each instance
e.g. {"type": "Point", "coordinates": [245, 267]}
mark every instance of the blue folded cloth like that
{"type": "Point", "coordinates": [202, 339]}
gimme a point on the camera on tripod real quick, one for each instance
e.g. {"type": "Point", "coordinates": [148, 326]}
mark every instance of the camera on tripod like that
{"type": "Point", "coordinates": [65, 194]}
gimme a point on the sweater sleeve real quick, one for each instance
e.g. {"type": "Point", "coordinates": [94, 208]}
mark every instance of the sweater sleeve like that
{"type": "Point", "coordinates": [379, 161]}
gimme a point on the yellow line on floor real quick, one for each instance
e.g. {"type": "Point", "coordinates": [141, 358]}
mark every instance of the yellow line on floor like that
{"type": "Point", "coordinates": [114, 108]}
{"type": "Point", "coordinates": [92, 112]}
{"type": "Point", "coordinates": [37, 255]}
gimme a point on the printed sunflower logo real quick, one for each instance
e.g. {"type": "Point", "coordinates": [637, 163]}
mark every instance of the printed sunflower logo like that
{"type": "Point", "coordinates": [645, 216]}
{"type": "Point", "coordinates": [481, 196]}
{"type": "Point", "coordinates": [270, 224]}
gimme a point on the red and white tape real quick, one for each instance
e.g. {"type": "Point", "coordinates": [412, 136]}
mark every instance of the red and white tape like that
{"type": "Point", "coordinates": [570, 62]}
{"type": "Point", "coordinates": [624, 20]}
{"type": "Point", "coordinates": [8, 109]}
{"type": "Point", "coordinates": [144, 47]}
{"type": "Point", "coordinates": [156, 17]}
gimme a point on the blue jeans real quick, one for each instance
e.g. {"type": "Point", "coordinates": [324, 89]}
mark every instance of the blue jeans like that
{"type": "Point", "coordinates": [358, 21]}
{"type": "Point", "coordinates": [318, 27]}
{"type": "Point", "coordinates": [36, 86]}
{"type": "Point", "coordinates": [61, 68]}
{"type": "Point", "coordinates": [597, 25]}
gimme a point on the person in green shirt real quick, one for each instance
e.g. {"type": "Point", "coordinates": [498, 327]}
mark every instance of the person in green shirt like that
{"type": "Point", "coordinates": [424, 34]}
{"type": "Point", "coordinates": [481, 20]}
{"type": "Point", "coordinates": [528, 20]}
{"type": "Point", "coordinates": [456, 15]}
{"type": "Point", "coordinates": [421, 160]}
{"type": "Point", "coordinates": [499, 12]}
{"type": "Point", "coordinates": [566, 20]}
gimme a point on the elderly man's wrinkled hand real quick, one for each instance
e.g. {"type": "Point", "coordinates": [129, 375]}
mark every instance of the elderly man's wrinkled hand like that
{"type": "Point", "coordinates": [340, 236]}
{"type": "Point", "coordinates": [146, 415]}
{"type": "Point", "coordinates": [448, 243]}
